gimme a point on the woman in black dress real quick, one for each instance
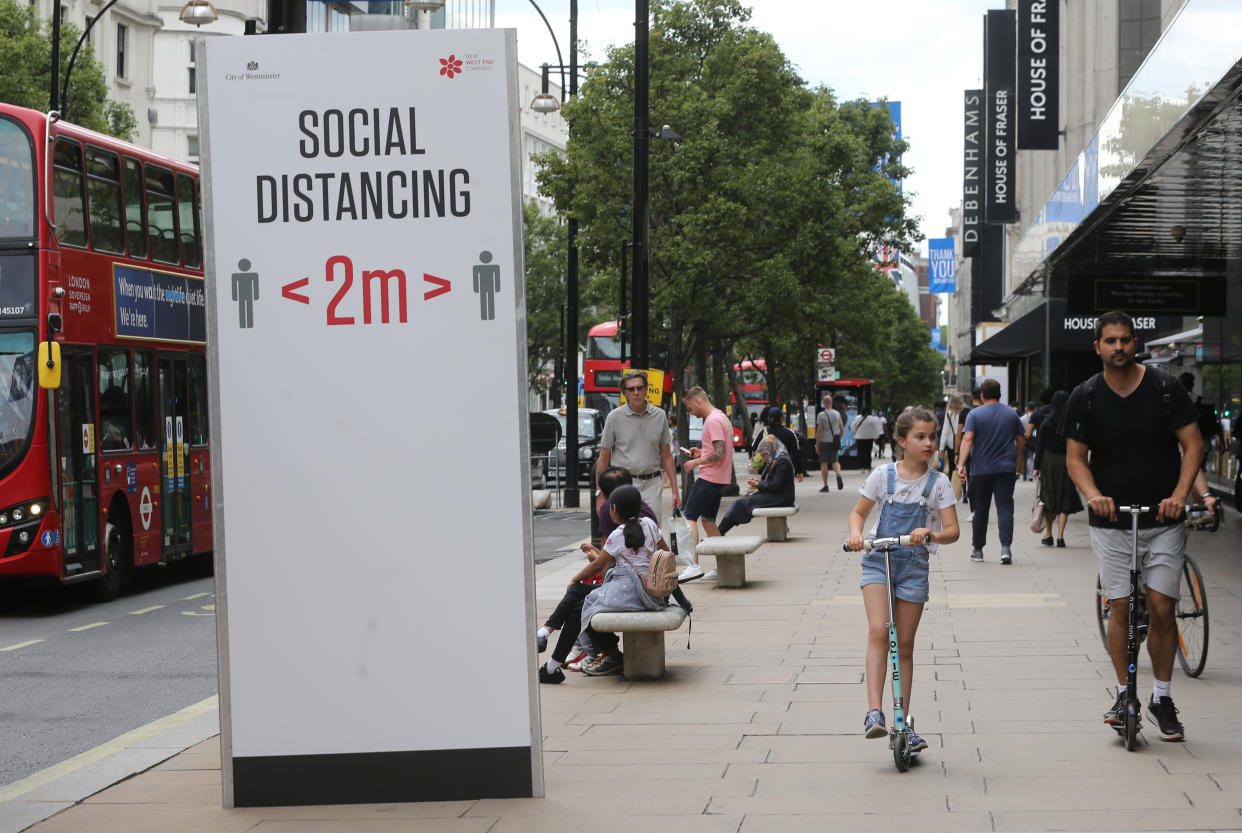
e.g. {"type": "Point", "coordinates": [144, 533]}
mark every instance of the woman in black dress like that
{"type": "Point", "coordinates": [1056, 489]}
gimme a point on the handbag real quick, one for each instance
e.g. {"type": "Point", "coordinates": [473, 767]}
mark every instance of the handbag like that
{"type": "Point", "coordinates": [661, 578]}
{"type": "Point", "coordinates": [1037, 511]}
{"type": "Point", "coordinates": [956, 483]}
{"type": "Point", "coordinates": [681, 539]}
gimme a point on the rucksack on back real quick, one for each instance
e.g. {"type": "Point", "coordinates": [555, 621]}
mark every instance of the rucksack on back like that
{"type": "Point", "coordinates": [661, 579]}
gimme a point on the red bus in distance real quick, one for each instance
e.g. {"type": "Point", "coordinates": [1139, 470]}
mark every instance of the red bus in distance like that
{"type": "Point", "coordinates": [602, 367]}
{"type": "Point", "coordinates": [100, 250]}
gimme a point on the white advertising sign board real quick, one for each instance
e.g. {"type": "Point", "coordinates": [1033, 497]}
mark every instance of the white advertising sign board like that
{"type": "Point", "coordinates": [367, 343]}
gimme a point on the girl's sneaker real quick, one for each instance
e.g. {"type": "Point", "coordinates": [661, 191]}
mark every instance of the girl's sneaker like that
{"type": "Point", "coordinates": [916, 743]}
{"type": "Point", "coordinates": [575, 663]}
{"type": "Point", "coordinates": [873, 724]}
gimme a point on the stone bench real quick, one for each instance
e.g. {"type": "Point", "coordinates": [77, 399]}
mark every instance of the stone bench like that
{"type": "Point", "coordinates": [642, 633]}
{"type": "Point", "coordinates": [778, 525]}
{"type": "Point", "coordinates": [730, 553]}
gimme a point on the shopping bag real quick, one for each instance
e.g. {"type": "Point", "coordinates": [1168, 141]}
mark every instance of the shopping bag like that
{"type": "Point", "coordinates": [1037, 511]}
{"type": "Point", "coordinates": [681, 538]}
{"type": "Point", "coordinates": [956, 482]}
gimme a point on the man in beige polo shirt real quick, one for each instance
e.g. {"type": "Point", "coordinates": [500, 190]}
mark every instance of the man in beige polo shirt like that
{"type": "Point", "coordinates": [636, 439]}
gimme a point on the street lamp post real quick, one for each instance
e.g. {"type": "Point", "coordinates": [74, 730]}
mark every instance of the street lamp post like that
{"type": "Point", "coordinates": [642, 140]}
{"type": "Point", "coordinates": [570, 365]}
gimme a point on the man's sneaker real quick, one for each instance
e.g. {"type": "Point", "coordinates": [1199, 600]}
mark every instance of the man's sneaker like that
{"type": "Point", "coordinates": [602, 665]}
{"type": "Point", "coordinates": [970, 517]}
{"type": "Point", "coordinates": [550, 677]}
{"type": "Point", "coordinates": [840, 483]}
{"type": "Point", "coordinates": [1006, 555]}
{"type": "Point", "coordinates": [914, 742]}
{"type": "Point", "coordinates": [1116, 716]}
{"type": "Point", "coordinates": [710, 575]}
{"type": "Point", "coordinates": [690, 574]}
{"type": "Point", "coordinates": [976, 555]}
{"type": "Point", "coordinates": [1164, 715]}
{"type": "Point", "coordinates": [541, 643]}
{"type": "Point", "coordinates": [575, 663]}
{"type": "Point", "coordinates": [873, 724]}
{"type": "Point", "coordinates": [824, 489]}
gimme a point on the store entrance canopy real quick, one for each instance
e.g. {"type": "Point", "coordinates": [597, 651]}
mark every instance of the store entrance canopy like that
{"type": "Point", "coordinates": [1051, 327]}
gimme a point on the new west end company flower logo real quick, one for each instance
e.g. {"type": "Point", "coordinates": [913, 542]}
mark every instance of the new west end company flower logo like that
{"type": "Point", "coordinates": [450, 66]}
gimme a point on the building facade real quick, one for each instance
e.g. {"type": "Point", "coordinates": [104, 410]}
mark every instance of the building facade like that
{"type": "Point", "coordinates": [1138, 208]}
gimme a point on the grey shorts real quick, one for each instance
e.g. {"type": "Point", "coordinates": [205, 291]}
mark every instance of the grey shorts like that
{"type": "Point", "coordinates": [828, 453]}
{"type": "Point", "coordinates": [1160, 557]}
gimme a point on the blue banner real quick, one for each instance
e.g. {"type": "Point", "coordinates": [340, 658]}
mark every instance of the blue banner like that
{"type": "Point", "coordinates": [159, 306]}
{"type": "Point", "coordinates": [935, 336]}
{"type": "Point", "coordinates": [941, 265]}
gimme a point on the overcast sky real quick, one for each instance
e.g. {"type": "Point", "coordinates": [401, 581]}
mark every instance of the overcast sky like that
{"type": "Point", "coordinates": [923, 53]}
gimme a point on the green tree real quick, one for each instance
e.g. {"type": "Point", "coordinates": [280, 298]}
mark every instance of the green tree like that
{"type": "Point", "coordinates": [545, 246]}
{"type": "Point", "coordinates": [25, 72]}
{"type": "Point", "coordinates": [763, 216]}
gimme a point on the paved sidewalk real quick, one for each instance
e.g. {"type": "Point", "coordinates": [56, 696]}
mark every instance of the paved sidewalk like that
{"type": "Point", "coordinates": [757, 726]}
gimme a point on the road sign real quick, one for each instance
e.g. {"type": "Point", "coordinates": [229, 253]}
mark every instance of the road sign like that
{"type": "Point", "coordinates": [826, 373]}
{"type": "Point", "coordinates": [826, 355]}
{"type": "Point", "coordinates": [374, 228]}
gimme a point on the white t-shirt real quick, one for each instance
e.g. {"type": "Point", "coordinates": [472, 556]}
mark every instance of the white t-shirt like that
{"type": "Point", "coordinates": [641, 557]}
{"type": "Point", "coordinates": [909, 491]}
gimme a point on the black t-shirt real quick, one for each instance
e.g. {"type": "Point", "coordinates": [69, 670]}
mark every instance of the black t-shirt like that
{"type": "Point", "coordinates": [1134, 454]}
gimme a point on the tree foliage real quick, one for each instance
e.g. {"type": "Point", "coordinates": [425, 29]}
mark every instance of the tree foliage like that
{"type": "Point", "coordinates": [545, 246]}
{"type": "Point", "coordinates": [763, 216]}
{"type": "Point", "coordinates": [25, 72]}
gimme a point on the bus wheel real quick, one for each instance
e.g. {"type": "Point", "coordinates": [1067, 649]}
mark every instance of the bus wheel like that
{"type": "Point", "coordinates": [118, 559]}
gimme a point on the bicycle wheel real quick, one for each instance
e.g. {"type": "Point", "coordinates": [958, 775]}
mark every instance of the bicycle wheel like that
{"type": "Point", "coordinates": [1101, 612]}
{"type": "Point", "coordinates": [901, 752]}
{"type": "Point", "coordinates": [1192, 619]}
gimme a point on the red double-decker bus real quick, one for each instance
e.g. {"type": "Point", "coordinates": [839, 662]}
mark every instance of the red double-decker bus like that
{"type": "Point", "coordinates": [100, 252]}
{"type": "Point", "coordinates": [602, 367]}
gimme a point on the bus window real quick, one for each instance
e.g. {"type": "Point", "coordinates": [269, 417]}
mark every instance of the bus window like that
{"type": "Point", "coordinates": [135, 229]}
{"type": "Point", "coordinates": [103, 195]}
{"type": "Point", "coordinates": [187, 208]}
{"type": "Point", "coordinates": [17, 208]}
{"type": "Point", "coordinates": [161, 215]}
{"type": "Point", "coordinates": [115, 417]}
{"type": "Point", "coordinates": [69, 202]}
{"type": "Point", "coordinates": [197, 364]}
{"type": "Point", "coordinates": [144, 390]}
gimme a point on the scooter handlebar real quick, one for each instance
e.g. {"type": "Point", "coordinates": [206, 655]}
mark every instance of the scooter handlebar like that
{"type": "Point", "coordinates": [886, 543]}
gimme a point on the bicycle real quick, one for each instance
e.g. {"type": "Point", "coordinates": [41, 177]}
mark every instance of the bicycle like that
{"type": "Point", "coordinates": [1191, 612]}
{"type": "Point", "coordinates": [902, 755]}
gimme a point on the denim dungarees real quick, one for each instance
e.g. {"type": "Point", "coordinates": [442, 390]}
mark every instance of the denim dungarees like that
{"type": "Point", "coordinates": [908, 564]}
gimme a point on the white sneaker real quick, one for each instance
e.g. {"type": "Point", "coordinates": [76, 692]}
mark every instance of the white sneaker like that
{"type": "Point", "coordinates": [710, 575]}
{"type": "Point", "coordinates": [690, 574]}
{"type": "Point", "coordinates": [970, 517]}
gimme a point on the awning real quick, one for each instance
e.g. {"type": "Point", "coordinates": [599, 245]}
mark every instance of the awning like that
{"type": "Point", "coordinates": [1189, 335]}
{"type": "Point", "coordinates": [1059, 333]}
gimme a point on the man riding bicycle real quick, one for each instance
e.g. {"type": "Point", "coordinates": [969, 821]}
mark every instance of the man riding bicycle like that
{"type": "Point", "coordinates": [1133, 419]}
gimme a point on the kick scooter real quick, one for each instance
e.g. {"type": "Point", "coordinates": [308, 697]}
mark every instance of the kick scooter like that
{"type": "Point", "coordinates": [1132, 719]}
{"type": "Point", "coordinates": [902, 756]}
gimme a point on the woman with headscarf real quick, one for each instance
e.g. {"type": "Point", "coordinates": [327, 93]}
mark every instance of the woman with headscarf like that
{"type": "Point", "coordinates": [774, 486]}
{"type": "Point", "coordinates": [1056, 489]}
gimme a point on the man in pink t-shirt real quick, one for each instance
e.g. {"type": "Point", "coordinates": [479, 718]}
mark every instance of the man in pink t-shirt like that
{"type": "Point", "coordinates": [715, 464]}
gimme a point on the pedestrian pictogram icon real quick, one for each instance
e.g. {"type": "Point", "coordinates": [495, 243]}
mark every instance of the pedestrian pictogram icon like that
{"type": "Point", "coordinates": [245, 293]}
{"type": "Point", "coordinates": [486, 285]}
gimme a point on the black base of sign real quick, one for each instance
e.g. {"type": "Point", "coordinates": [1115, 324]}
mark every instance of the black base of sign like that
{"type": "Point", "coordinates": [382, 777]}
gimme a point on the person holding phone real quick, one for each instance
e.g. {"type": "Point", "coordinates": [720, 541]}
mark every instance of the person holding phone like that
{"type": "Point", "coordinates": [715, 464]}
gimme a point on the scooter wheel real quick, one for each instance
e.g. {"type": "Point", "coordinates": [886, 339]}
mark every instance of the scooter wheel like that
{"type": "Point", "coordinates": [1132, 720]}
{"type": "Point", "coordinates": [901, 752]}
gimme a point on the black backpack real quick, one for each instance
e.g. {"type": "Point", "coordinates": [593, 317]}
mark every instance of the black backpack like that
{"type": "Point", "coordinates": [1163, 380]}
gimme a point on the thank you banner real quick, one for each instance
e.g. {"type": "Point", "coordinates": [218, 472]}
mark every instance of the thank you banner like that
{"type": "Point", "coordinates": [942, 265]}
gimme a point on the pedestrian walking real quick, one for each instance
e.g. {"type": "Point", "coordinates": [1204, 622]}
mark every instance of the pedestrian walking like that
{"type": "Point", "coordinates": [991, 443]}
{"type": "Point", "coordinates": [915, 500]}
{"type": "Point", "coordinates": [1056, 489]}
{"type": "Point", "coordinates": [636, 439]}
{"type": "Point", "coordinates": [1132, 419]}
{"type": "Point", "coordinates": [866, 428]}
{"type": "Point", "coordinates": [829, 426]}
{"type": "Point", "coordinates": [714, 461]}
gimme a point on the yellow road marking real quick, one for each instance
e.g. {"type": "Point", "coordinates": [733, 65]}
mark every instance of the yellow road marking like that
{"type": "Point", "coordinates": [144, 610]}
{"type": "Point", "coordinates": [20, 645]}
{"type": "Point", "coordinates": [88, 627]}
{"type": "Point", "coordinates": [33, 782]}
{"type": "Point", "coordinates": [195, 596]}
